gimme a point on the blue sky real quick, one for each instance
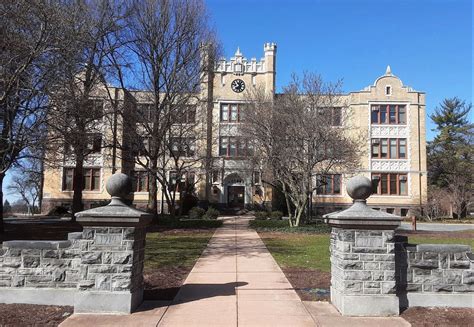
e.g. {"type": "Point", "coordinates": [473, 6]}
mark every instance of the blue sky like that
{"type": "Point", "coordinates": [427, 43]}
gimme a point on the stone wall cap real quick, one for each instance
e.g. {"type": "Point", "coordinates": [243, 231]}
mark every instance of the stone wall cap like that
{"type": "Point", "coordinates": [443, 248]}
{"type": "Point", "coordinates": [47, 245]}
{"type": "Point", "coordinates": [359, 214]}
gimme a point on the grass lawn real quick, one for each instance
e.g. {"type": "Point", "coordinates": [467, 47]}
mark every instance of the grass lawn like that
{"type": "Point", "coordinates": [299, 250]}
{"type": "Point", "coordinates": [174, 249]}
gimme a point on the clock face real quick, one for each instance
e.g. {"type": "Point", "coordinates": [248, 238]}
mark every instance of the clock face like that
{"type": "Point", "coordinates": [237, 85]}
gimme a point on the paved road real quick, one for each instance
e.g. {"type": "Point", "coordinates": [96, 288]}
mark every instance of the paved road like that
{"type": "Point", "coordinates": [434, 227]}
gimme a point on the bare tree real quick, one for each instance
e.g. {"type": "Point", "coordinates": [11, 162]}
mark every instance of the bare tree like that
{"type": "Point", "coordinates": [27, 183]}
{"type": "Point", "coordinates": [167, 39]}
{"type": "Point", "coordinates": [298, 138]}
{"type": "Point", "coordinates": [28, 36]}
{"type": "Point", "coordinates": [76, 120]}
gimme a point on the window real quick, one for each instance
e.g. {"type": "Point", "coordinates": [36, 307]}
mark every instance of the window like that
{"type": "Point", "coordinates": [388, 114]}
{"type": "Point", "coordinates": [140, 181]}
{"type": "Point", "coordinates": [185, 183]}
{"type": "Point", "coordinates": [215, 176]}
{"type": "Point", "coordinates": [389, 148]}
{"type": "Point", "coordinates": [233, 146]}
{"type": "Point", "coordinates": [182, 146]}
{"type": "Point", "coordinates": [390, 210]}
{"type": "Point", "coordinates": [328, 184]}
{"type": "Point", "coordinates": [232, 112]}
{"type": "Point", "coordinates": [145, 112]}
{"type": "Point", "coordinates": [95, 108]}
{"type": "Point", "coordinates": [68, 179]}
{"type": "Point", "coordinates": [257, 178]}
{"type": "Point", "coordinates": [91, 179]}
{"type": "Point", "coordinates": [186, 115]}
{"type": "Point", "coordinates": [403, 212]}
{"type": "Point", "coordinates": [388, 90]}
{"type": "Point", "coordinates": [389, 184]}
{"type": "Point", "coordinates": [94, 142]}
{"type": "Point", "coordinates": [336, 116]}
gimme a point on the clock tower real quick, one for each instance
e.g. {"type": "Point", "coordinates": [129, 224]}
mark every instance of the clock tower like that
{"type": "Point", "coordinates": [231, 183]}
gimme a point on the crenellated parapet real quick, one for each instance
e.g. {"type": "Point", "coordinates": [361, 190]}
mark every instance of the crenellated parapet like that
{"type": "Point", "coordinates": [240, 65]}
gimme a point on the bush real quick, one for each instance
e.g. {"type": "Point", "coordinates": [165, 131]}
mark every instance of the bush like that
{"type": "Point", "coordinates": [211, 213]}
{"type": "Point", "coordinates": [261, 215]}
{"type": "Point", "coordinates": [196, 213]}
{"type": "Point", "coordinates": [276, 215]}
{"type": "Point", "coordinates": [58, 211]}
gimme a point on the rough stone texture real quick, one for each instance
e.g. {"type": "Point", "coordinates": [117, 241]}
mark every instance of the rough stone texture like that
{"type": "Point", "coordinates": [101, 259]}
{"type": "Point", "coordinates": [434, 269]}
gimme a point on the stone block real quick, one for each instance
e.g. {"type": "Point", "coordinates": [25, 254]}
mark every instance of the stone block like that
{"type": "Point", "coordinates": [390, 248]}
{"type": "Point", "coordinates": [343, 246]}
{"type": "Point", "coordinates": [389, 275]}
{"type": "Point", "coordinates": [86, 284]}
{"type": "Point", "coordinates": [51, 254]}
{"type": "Point", "coordinates": [424, 264]}
{"type": "Point", "coordinates": [371, 265]}
{"type": "Point", "coordinates": [369, 291]}
{"type": "Point", "coordinates": [387, 265]}
{"type": "Point", "coordinates": [30, 271]}
{"type": "Point", "coordinates": [384, 257]}
{"type": "Point", "coordinates": [91, 257]}
{"type": "Point", "coordinates": [357, 275]}
{"type": "Point", "coordinates": [442, 288]}
{"type": "Point", "coordinates": [120, 283]}
{"type": "Point", "coordinates": [460, 264]}
{"type": "Point", "coordinates": [389, 288]}
{"type": "Point", "coordinates": [56, 263]}
{"type": "Point", "coordinates": [129, 233]}
{"type": "Point", "coordinates": [70, 254]}
{"type": "Point", "coordinates": [443, 260]}
{"type": "Point", "coordinates": [378, 275]}
{"type": "Point", "coordinates": [14, 262]}
{"type": "Point", "coordinates": [59, 275]}
{"type": "Point", "coordinates": [124, 268]}
{"type": "Point", "coordinates": [18, 281]}
{"type": "Point", "coordinates": [351, 265]}
{"type": "Point", "coordinates": [102, 269]}
{"type": "Point", "coordinates": [366, 257]}
{"type": "Point", "coordinates": [88, 234]}
{"type": "Point", "coordinates": [372, 242]}
{"type": "Point", "coordinates": [31, 262]}
{"type": "Point", "coordinates": [371, 284]}
{"type": "Point", "coordinates": [345, 235]}
{"type": "Point", "coordinates": [463, 288]}
{"type": "Point", "coordinates": [102, 283]}
{"type": "Point", "coordinates": [468, 277]}
{"type": "Point", "coordinates": [121, 258]}
{"type": "Point", "coordinates": [13, 252]}
{"type": "Point", "coordinates": [115, 230]}
{"type": "Point", "coordinates": [369, 250]}
{"type": "Point", "coordinates": [108, 239]}
{"type": "Point", "coordinates": [106, 257]}
{"type": "Point", "coordinates": [412, 287]}
{"type": "Point", "coordinates": [460, 256]}
{"type": "Point", "coordinates": [427, 279]}
{"type": "Point", "coordinates": [452, 277]}
{"type": "Point", "coordinates": [34, 252]}
{"type": "Point", "coordinates": [429, 255]}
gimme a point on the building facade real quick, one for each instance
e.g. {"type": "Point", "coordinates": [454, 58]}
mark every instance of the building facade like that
{"type": "Point", "coordinates": [391, 114]}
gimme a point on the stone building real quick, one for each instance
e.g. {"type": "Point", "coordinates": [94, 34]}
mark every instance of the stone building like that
{"type": "Point", "coordinates": [392, 114]}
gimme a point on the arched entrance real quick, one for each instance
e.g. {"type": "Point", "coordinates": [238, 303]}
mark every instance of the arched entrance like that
{"type": "Point", "coordinates": [234, 191]}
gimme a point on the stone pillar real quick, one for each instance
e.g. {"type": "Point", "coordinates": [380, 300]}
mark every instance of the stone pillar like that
{"type": "Point", "coordinates": [362, 251]}
{"type": "Point", "coordinates": [112, 254]}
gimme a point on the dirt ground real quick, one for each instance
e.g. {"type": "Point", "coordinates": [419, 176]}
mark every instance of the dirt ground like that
{"type": "Point", "coordinates": [33, 315]}
{"type": "Point", "coordinates": [311, 285]}
{"type": "Point", "coordinates": [424, 317]}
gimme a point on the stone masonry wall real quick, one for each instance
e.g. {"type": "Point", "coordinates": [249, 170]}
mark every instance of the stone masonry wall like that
{"type": "Point", "coordinates": [435, 268]}
{"type": "Point", "coordinates": [363, 262]}
{"type": "Point", "coordinates": [98, 259]}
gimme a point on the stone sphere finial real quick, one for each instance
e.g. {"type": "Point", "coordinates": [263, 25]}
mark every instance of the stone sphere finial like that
{"type": "Point", "coordinates": [359, 187]}
{"type": "Point", "coordinates": [119, 185]}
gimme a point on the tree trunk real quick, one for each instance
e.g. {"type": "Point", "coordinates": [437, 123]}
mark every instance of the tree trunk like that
{"type": "Point", "coordinates": [288, 206]}
{"type": "Point", "coordinates": [78, 186]}
{"type": "Point", "coordinates": [152, 206]}
{"type": "Point", "coordinates": [2, 176]}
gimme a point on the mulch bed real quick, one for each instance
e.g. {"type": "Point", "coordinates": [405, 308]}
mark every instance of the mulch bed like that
{"type": "Point", "coordinates": [33, 315]}
{"type": "Point", "coordinates": [310, 284]}
{"type": "Point", "coordinates": [418, 316]}
{"type": "Point", "coordinates": [164, 283]}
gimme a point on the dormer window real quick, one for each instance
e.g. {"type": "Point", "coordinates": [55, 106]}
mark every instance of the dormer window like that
{"type": "Point", "coordinates": [388, 90]}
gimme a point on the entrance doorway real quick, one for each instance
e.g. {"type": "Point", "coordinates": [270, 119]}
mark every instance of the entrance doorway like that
{"type": "Point", "coordinates": [236, 196]}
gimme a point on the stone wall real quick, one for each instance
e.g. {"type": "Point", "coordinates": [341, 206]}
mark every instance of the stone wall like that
{"type": "Point", "coordinates": [362, 265]}
{"type": "Point", "coordinates": [435, 274]}
{"type": "Point", "coordinates": [98, 261]}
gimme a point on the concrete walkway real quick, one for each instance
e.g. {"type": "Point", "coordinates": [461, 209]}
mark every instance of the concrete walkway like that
{"type": "Point", "coordinates": [438, 227]}
{"type": "Point", "coordinates": [236, 282]}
